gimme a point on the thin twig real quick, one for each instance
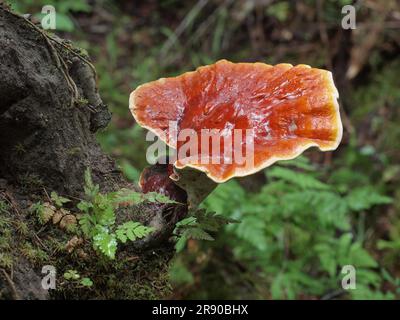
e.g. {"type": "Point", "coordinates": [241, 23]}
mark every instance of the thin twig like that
{"type": "Point", "coordinates": [40, 241]}
{"type": "Point", "coordinates": [11, 284]}
{"type": "Point", "coordinates": [47, 195]}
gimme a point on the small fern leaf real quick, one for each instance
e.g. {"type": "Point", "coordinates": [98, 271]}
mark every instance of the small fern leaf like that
{"type": "Point", "coordinates": [130, 197]}
{"type": "Point", "coordinates": [85, 223]}
{"type": "Point", "coordinates": [106, 243]}
{"type": "Point", "coordinates": [303, 180]}
{"type": "Point", "coordinates": [197, 234]}
{"type": "Point", "coordinates": [364, 198]}
{"type": "Point", "coordinates": [132, 230]}
{"type": "Point", "coordinates": [211, 221]}
{"type": "Point", "coordinates": [90, 188]}
{"type": "Point", "coordinates": [157, 197]}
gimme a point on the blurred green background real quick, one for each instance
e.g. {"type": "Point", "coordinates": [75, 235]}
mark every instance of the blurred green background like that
{"type": "Point", "coordinates": [302, 220]}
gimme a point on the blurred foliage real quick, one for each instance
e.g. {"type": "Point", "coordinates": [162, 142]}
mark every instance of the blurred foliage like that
{"type": "Point", "coordinates": [64, 9]}
{"type": "Point", "coordinates": [314, 214]}
{"type": "Point", "coordinates": [301, 231]}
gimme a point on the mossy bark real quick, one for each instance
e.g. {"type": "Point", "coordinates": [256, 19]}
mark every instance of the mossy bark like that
{"type": "Point", "coordinates": [50, 111]}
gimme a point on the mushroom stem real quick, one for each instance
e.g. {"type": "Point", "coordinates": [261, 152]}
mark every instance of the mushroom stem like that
{"type": "Point", "coordinates": [188, 185]}
{"type": "Point", "coordinates": [196, 184]}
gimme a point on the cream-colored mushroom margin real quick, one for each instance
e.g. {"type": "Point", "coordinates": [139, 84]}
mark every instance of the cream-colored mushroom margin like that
{"type": "Point", "coordinates": [241, 172]}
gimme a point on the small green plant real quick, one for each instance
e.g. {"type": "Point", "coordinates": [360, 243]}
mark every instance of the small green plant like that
{"type": "Point", "coordinates": [6, 260]}
{"type": "Point", "coordinates": [198, 225]}
{"type": "Point", "coordinates": [86, 282]}
{"type": "Point", "coordinates": [74, 277]}
{"type": "Point", "coordinates": [297, 232]}
{"type": "Point", "coordinates": [34, 254]}
{"type": "Point", "coordinates": [98, 219]}
{"type": "Point", "coordinates": [4, 207]}
{"type": "Point", "coordinates": [58, 200]}
{"type": "Point", "coordinates": [44, 211]}
{"type": "Point", "coordinates": [71, 275]}
{"type": "Point", "coordinates": [21, 227]}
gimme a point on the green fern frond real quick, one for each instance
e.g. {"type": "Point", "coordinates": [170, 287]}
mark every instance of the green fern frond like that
{"type": "Point", "coordinates": [303, 180]}
{"type": "Point", "coordinates": [106, 243]}
{"type": "Point", "coordinates": [133, 197]}
{"type": "Point", "coordinates": [132, 230]}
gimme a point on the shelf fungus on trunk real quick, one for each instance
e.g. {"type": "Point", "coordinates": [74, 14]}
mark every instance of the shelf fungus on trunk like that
{"type": "Point", "coordinates": [230, 120]}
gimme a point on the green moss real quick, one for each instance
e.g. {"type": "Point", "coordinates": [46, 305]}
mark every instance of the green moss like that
{"type": "Point", "coordinates": [6, 260]}
{"type": "Point", "coordinates": [129, 277]}
{"type": "Point", "coordinates": [21, 227]}
{"type": "Point", "coordinates": [55, 245]}
{"type": "Point", "coordinates": [4, 243]}
{"type": "Point", "coordinates": [35, 255]}
{"type": "Point", "coordinates": [82, 102]}
{"type": "Point", "coordinates": [5, 233]}
{"type": "Point", "coordinates": [4, 207]}
{"type": "Point", "coordinates": [5, 222]}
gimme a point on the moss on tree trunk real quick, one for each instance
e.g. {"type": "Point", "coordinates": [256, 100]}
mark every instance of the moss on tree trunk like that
{"type": "Point", "coordinates": [50, 111]}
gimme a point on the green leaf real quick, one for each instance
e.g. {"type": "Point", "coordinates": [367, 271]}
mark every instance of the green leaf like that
{"type": "Point", "coordinates": [130, 171]}
{"type": "Point", "coordinates": [210, 220]}
{"type": "Point", "coordinates": [251, 230]}
{"type": "Point", "coordinates": [71, 275]}
{"type": "Point", "coordinates": [359, 257]}
{"type": "Point", "coordinates": [303, 180]}
{"type": "Point", "coordinates": [157, 197]}
{"type": "Point", "coordinates": [64, 23]}
{"type": "Point", "coordinates": [384, 244]}
{"type": "Point", "coordinates": [44, 211]}
{"type": "Point", "coordinates": [300, 162]}
{"type": "Point", "coordinates": [277, 287]}
{"type": "Point", "coordinates": [86, 223]}
{"type": "Point", "coordinates": [106, 243]}
{"type": "Point", "coordinates": [180, 244]}
{"type": "Point", "coordinates": [86, 282]}
{"type": "Point", "coordinates": [129, 196]}
{"type": "Point", "coordinates": [104, 210]}
{"type": "Point", "coordinates": [84, 206]}
{"type": "Point", "coordinates": [364, 198]}
{"type": "Point", "coordinates": [58, 200]}
{"type": "Point", "coordinates": [91, 190]}
{"type": "Point", "coordinates": [134, 197]}
{"type": "Point", "coordinates": [132, 230]}
{"type": "Point", "coordinates": [328, 263]}
{"type": "Point", "coordinates": [344, 244]}
{"type": "Point", "coordinates": [197, 234]}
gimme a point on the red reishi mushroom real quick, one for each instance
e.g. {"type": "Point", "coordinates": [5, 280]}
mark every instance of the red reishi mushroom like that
{"type": "Point", "coordinates": [156, 178]}
{"type": "Point", "coordinates": [289, 108]}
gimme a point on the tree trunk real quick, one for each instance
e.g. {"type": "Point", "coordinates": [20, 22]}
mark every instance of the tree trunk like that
{"type": "Point", "coordinates": [49, 112]}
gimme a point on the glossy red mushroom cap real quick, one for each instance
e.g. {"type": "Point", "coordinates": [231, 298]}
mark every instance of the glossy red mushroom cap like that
{"type": "Point", "coordinates": [288, 109]}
